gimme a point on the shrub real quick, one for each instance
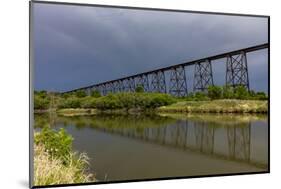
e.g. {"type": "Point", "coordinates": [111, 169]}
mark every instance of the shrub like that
{"type": "Point", "coordinates": [241, 92]}
{"type": "Point", "coordinates": [127, 100]}
{"type": "Point", "coordinates": [71, 102]}
{"type": "Point", "coordinates": [57, 144]}
{"type": "Point", "coordinates": [200, 96]}
{"type": "Point", "coordinates": [133, 100]}
{"type": "Point", "coordinates": [40, 102]}
{"type": "Point", "coordinates": [141, 101]}
{"type": "Point", "coordinates": [261, 96]}
{"type": "Point", "coordinates": [80, 93]}
{"type": "Point", "coordinates": [189, 97]}
{"type": "Point", "coordinates": [88, 102]}
{"type": "Point", "coordinates": [42, 94]}
{"type": "Point", "coordinates": [252, 94]}
{"type": "Point", "coordinates": [95, 93]}
{"type": "Point", "coordinates": [65, 95]}
{"type": "Point", "coordinates": [227, 92]}
{"type": "Point", "coordinates": [158, 100]}
{"type": "Point", "coordinates": [107, 102]}
{"type": "Point", "coordinates": [139, 89]}
{"type": "Point", "coordinates": [214, 92]}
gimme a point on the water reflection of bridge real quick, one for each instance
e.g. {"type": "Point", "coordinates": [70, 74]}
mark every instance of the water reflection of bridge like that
{"type": "Point", "coordinates": [231, 143]}
{"type": "Point", "coordinates": [227, 140]}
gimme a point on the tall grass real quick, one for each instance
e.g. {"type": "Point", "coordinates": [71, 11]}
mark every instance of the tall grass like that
{"type": "Point", "coordinates": [55, 162]}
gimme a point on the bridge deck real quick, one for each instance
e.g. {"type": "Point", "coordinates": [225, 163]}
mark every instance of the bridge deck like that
{"type": "Point", "coordinates": [210, 58]}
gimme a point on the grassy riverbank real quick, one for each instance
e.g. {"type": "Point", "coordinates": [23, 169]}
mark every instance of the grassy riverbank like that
{"type": "Point", "coordinates": [214, 106]}
{"type": "Point", "coordinates": [217, 106]}
{"type": "Point", "coordinates": [55, 162]}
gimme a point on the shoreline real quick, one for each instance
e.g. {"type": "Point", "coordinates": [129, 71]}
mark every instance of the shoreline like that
{"type": "Point", "coordinates": [184, 107]}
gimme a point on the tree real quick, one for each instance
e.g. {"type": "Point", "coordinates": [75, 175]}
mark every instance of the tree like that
{"type": "Point", "coordinates": [200, 96]}
{"type": "Point", "coordinates": [241, 92]}
{"type": "Point", "coordinates": [80, 93]}
{"type": "Point", "coordinates": [214, 92]}
{"type": "Point", "coordinates": [139, 89]}
{"type": "Point", "coordinates": [95, 93]}
{"type": "Point", "coordinates": [261, 96]}
{"type": "Point", "coordinates": [65, 95]}
{"type": "Point", "coordinates": [41, 100]}
{"type": "Point", "coordinates": [42, 94]}
{"type": "Point", "coordinates": [71, 102]}
{"type": "Point", "coordinates": [41, 103]}
{"type": "Point", "coordinates": [190, 97]}
{"type": "Point", "coordinates": [227, 92]}
{"type": "Point", "coordinates": [252, 94]}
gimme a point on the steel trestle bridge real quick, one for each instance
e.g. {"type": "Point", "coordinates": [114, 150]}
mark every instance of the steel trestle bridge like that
{"type": "Point", "coordinates": [155, 81]}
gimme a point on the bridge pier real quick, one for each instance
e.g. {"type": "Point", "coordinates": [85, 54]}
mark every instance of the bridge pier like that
{"type": "Point", "coordinates": [109, 87]}
{"type": "Point", "coordinates": [100, 89]}
{"type": "Point", "coordinates": [126, 85]}
{"type": "Point", "coordinates": [158, 83]}
{"type": "Point", "coordinates": [118, 86]}
{"type": "Point", "coordinates": [103, 89]}
{"type": "Point", "coordinates": [142, 80]}
{"type": "Point", "coordinates": [129, 85]}
{"type": "Point", "coordinates": [88, 91]}
{"type": "Point", "coordinates": [203, 76]}
{"type": "Point", "coordinates": [94, 88]}
{"type": "Point", "coordinates": [178, 86]}
{"type": "Point", "coordinates": [237, 70]}
{"type": "Point", "coordinates": [114, 86]}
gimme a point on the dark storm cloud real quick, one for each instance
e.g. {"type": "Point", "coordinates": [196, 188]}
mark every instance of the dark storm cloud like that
{"type": "Point", "coordinates": [77, 46]}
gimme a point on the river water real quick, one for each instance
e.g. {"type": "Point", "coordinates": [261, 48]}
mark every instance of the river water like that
{"type": "Point", "coordinates": [127, 147]}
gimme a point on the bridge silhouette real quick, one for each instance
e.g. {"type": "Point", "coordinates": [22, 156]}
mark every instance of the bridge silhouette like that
{"type": "Point", "coordinates": [155, 80]}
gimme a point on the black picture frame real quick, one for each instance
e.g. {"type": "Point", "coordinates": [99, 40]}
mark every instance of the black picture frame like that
{"type": "Point", "coordinates": [31, 63]}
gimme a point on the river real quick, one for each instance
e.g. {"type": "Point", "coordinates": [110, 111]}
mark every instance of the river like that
{"type": "Point", "coordinates": [128, 147]}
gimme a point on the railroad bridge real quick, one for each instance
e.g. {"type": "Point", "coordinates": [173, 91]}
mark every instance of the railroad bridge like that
{"type": "Point", "coordinates": [155, 80]}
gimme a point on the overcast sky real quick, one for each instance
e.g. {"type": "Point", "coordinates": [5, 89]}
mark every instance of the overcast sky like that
{"type": "Point", "coordinates": [76, 46]}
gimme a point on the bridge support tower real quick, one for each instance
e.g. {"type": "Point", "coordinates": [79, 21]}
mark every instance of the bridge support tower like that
{"type": "Point", "coordinates": [203, 76]}
{"type": "Point", "coordinates": [237, 70]}
{"type": "Point", "coordinates": [158, 83]}
{"type": "Point", "coordinates": [178, 86]}
{"type": "Point", "coordinates": [142, 80]}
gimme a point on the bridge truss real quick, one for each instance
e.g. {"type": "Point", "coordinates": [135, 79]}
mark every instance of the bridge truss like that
{"type": "Point", "coordinates": [173, 79]}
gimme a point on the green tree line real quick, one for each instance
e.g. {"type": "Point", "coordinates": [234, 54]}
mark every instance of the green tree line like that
{"type": "Point", "coordinates": [138, 99]}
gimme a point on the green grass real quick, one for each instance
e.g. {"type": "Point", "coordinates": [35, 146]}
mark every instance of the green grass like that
{"type": "Point", "coordinates": [217, 106]}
